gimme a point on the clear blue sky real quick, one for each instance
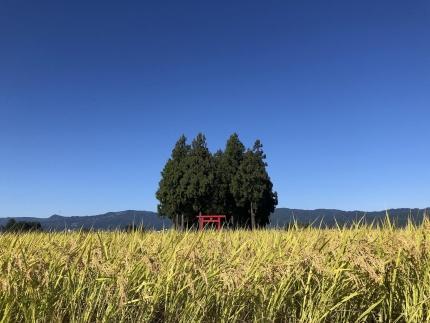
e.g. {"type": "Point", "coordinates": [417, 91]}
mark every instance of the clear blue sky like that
{"type": "Point", "coordinates": [94, 94]}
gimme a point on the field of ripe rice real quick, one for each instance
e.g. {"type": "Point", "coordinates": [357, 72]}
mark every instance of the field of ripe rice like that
{"type": "Point", "coordinates": [301, 275]}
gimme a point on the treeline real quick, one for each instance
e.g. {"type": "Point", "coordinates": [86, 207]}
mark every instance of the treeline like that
{"type": "Point", "coordinates": [21, 226]}
{"type": "Point", "coordinates": [233, 182]}
{"type": "Point", "coordinates": [14, 226]}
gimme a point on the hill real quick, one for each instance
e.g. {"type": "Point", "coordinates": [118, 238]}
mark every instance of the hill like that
{"type": "Point", "coordinates": [280, 218]}
{"type": "Point", "coordinates": [329, 217]}
{"type": "Point", "coordinates": [106, 221]}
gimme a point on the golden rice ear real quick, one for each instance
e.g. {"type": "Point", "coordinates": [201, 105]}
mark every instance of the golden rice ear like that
{"type": "Point", "coordinates": [349, 274]}
{"type": "Point", "coordinates": [426, 222]}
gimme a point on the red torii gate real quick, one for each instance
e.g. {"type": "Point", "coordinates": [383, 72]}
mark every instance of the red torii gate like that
{"type": "Point", "coordinates": [206, 218]}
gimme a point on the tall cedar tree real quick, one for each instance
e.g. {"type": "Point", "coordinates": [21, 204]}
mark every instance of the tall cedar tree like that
{"type": "Point", "coordinates": [233, 182]}
{"type": "Point", "coordinates": [252, 187]}
{"type": "Point", "coordinates": [198, 180]}
{"type": "Point", "coordinates": [171, 193]}
{"type": "Point", "coordinates": [227, 163]}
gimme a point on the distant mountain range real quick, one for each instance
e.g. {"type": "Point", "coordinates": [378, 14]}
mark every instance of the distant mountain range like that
{"type": "Point", "coordinates": [330, 218]}
{"type": "Point", "coordinates": [107, 221]}
{"type": "Point", "coordinates": [280, 218]}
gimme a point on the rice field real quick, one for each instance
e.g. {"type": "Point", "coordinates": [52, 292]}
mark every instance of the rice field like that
{"type": "Point", "coordinates": [358, 274]}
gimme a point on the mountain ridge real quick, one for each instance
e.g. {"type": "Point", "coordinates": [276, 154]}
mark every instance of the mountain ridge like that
{"type": "Point", "coordinates": [280, 218]}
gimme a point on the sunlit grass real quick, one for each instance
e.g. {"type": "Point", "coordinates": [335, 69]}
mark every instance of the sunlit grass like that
{"type": "Point", "coordinates": [300, 275]}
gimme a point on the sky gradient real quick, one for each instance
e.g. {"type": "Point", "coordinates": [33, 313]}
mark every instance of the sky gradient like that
{"type": "Point", "coordinates": [94, 94]}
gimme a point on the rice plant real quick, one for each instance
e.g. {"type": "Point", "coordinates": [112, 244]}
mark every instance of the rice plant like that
{"type": "Point", "coordinates": [356, 274]}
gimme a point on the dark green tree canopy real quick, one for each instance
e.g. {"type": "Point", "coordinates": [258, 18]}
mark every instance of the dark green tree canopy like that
{"type": "Point", "coordinates": [199, 176]}
{"type": "Point", "coordinates": [227, 163]}
{"type": "Point", "coordinates": [233, 182]}
{"type": "Point", "coordinates": [252, 187]}
{"type": "Point", "coordinates": [21, 226]}
{"type": "Point", "coordinates": [171, 192]}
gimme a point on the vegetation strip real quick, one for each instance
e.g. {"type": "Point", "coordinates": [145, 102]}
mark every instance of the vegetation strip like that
{"type": "Point", "coordinates": [302, 274]}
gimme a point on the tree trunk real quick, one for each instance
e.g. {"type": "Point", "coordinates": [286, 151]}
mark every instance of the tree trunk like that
{"type": "Point", "coordinates": [182, 222]}
{"type": "Point", "coordinates": [177, 221]}
{"type": "Point", "coordinates": [252, 217]}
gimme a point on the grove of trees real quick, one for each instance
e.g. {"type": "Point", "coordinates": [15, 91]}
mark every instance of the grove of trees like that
{"type": "Point", "coordinates": [21, 226]}
{"type": "Point", "coordinates": [233, 182]}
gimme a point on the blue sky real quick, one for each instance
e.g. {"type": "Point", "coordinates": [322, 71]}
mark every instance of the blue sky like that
{"type": "Point", "coordinates": [94, 94]}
